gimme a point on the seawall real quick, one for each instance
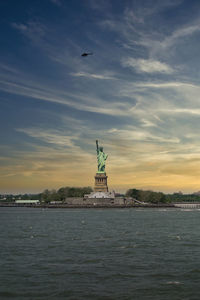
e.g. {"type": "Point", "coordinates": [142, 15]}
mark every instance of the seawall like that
{"type": "Point", "coordinates": [78, 202]}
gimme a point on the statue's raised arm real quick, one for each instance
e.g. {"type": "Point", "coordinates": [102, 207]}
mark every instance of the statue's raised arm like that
{"type": "Point", "coordinates": [101, 158]}
{"type": "Point", "coordinates": [97, 146]}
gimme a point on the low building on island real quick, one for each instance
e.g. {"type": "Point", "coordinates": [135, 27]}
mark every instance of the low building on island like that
{"type": "Point", "coordinates": [28, 201]}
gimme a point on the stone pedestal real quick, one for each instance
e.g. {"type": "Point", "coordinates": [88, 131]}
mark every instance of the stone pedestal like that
{"type": "Point", "coordinates": [101, 182]}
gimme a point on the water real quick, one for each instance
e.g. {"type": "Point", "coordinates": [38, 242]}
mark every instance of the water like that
{"type": "Point", "coordinates": [99, 254]}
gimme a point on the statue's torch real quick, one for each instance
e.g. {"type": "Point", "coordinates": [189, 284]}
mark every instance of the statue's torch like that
{"type": "Point", "coordinates": [97, 145]}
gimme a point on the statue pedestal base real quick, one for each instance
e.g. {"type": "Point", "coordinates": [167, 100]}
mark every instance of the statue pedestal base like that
{"type": "Point", "coordinates": [101, 182]}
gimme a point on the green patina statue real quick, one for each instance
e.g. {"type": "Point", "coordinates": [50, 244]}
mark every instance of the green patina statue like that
{"type": "Point", "coordinates": [101, 158]}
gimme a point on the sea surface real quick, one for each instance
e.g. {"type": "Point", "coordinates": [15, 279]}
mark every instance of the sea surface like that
{"type": "Point", "coordinates": [94, 254]}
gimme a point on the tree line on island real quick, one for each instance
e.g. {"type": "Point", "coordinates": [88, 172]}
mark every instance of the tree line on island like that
{"type": "Point", "coordinates": [61, 194]}
{"type": "Point", "coordinates": [64, 192]}
{"type": "Point", "coordinates": [159, 197]}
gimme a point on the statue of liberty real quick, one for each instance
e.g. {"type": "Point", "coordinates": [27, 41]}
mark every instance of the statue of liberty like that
{"type": "Point", "coordinates": [101, 158]}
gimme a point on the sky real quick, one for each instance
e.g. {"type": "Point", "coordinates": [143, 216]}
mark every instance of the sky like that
{"type": "Point", "coordinates": [138, 94]}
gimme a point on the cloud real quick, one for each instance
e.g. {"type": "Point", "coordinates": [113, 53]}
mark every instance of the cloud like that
{"type": "Point", "coordinates": [158, 48]}
{"type": "Point", "coordinates": [147, 65]}
{"type": "Point", "coordinates": [5, 68]}
{"type": "Point", "coordinates": [102, 5]}
{"type": "Point", "coordinates": [162, 45]}
{"type": "Point", "coordinates": [79, 101]}
{"type": "Point", "coordinates": [166, 84]}
{"type": "Point", "coordinates": [136, 134]}
{"type": "Point", "coordinates": [179, 33]}
{"type": "Point", "coordinates": [147, 123]}
{"type": "Point", "coordinates": [56, 2]}
{"type": "Point", "coordinates": [35, 31]}
{"type": "Point", "coordinates": [195, 111]}
{"type": "Point", "coordinates": [49, 136]}
{"type": "Point", "coordinates": [93, 76]}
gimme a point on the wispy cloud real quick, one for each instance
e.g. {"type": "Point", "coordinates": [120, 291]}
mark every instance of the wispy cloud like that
{"type": "Point", "coordinates": [166, 46]}
{"type": "Point", "coordinates": [178, 34]}
{"type": "Point", "coordinates": [147, 65]}
{"type": "Point", "coordinates": [56, 2]}
{"type": "Point", "coordinates": [80, 101]}
{"type": "Point", "coordinates": [166, 85]}
{"type": "Point", "coordinates": [136, 134]}
{"type": "Point", "coordinates": [49, 136]}
{"type": "Point", "coordinates": [93, 76]}
{"type": "Point", "coordinates": [151, 8]}
{"type": "Point", "coordinates": [35, 31]}
{"type": "Point", "coordinates": [4, 68]}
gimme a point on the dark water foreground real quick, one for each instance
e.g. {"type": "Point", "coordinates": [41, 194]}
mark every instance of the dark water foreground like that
{"type": "Point", "coordinates": [99, 254]}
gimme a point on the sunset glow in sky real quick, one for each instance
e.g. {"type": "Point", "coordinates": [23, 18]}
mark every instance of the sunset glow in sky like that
{"type": "Point", "coordinates": [138, 94]}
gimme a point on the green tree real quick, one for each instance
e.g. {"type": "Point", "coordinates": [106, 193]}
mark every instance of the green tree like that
{"type": "Point", "coordinates": [134, 193]}
{"type": "Point", "coordinates": [46, 196]}
{"type": "Point", "coordinates": [63, 193]}
{"type": "Point", "coordinates": [147, 196]}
